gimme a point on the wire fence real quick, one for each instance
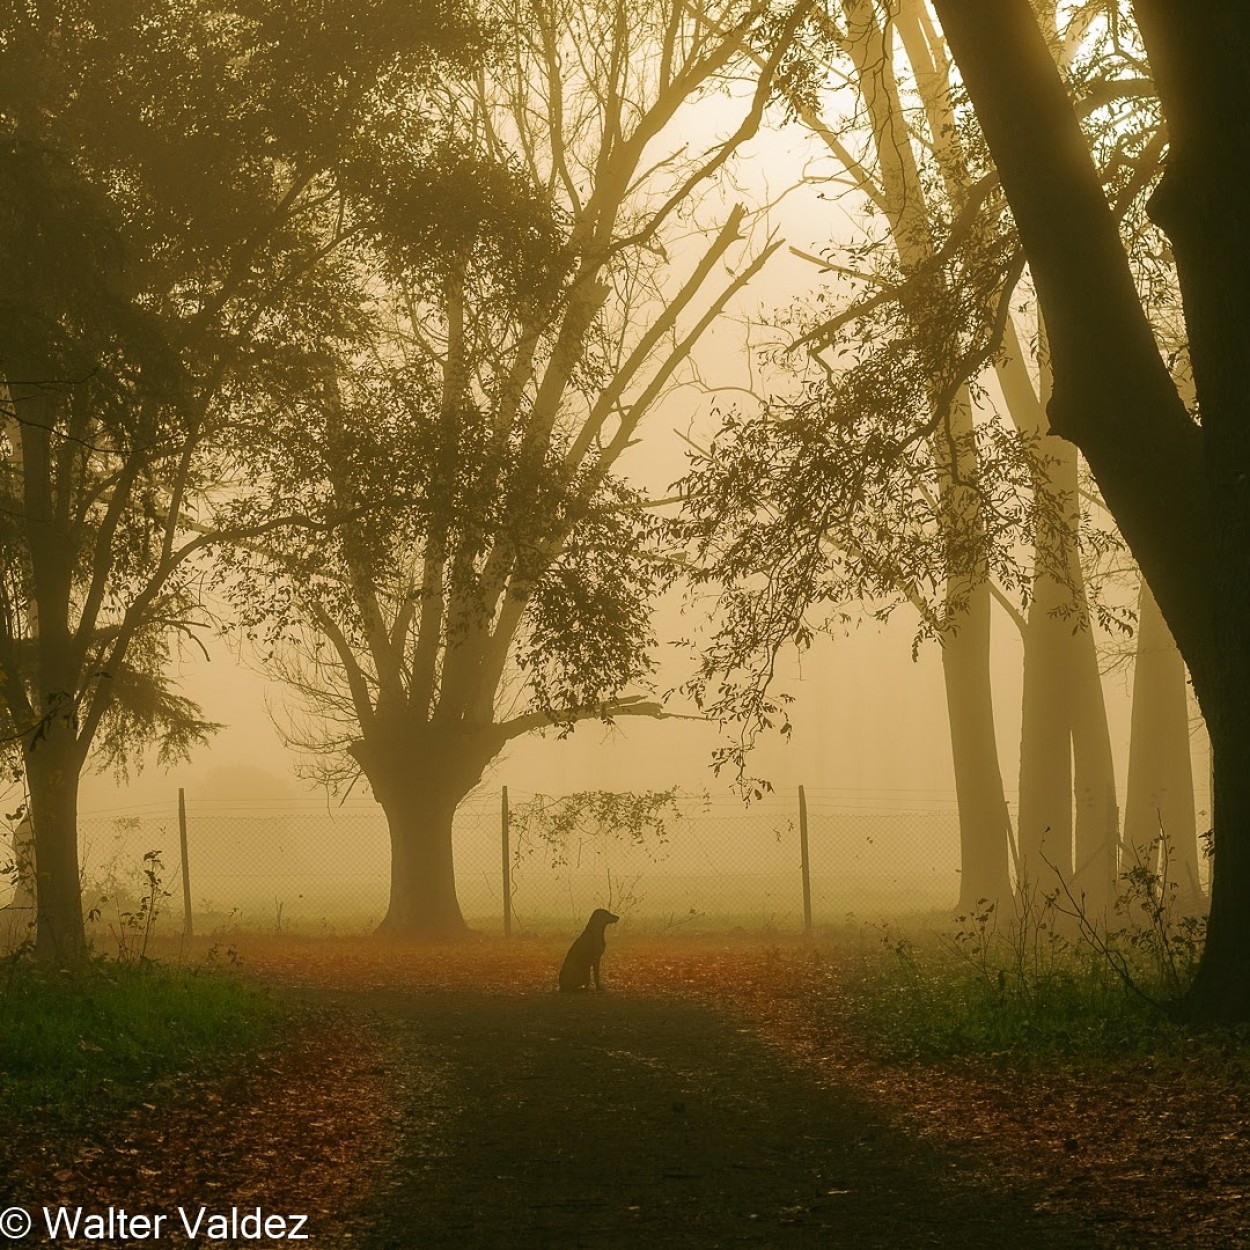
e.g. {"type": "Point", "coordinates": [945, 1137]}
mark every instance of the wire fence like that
{"type": "Point", "coordinates": [698, 863]}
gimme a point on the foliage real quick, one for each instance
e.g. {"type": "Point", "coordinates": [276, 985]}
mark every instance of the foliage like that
{"type": "Point", "coordinates": [499, 575]}
{"type": "Point", "coordinates": [561, 827]}
{"type": "Point", "coordinates": [805, 515]}
{"type": "Point", "coordinates": [573, 832]}
{"type": "Point", "coordinates": [885, 472]}
{"type": "Point", "coordinates": [191, 197]}
{"type": "Point", "coordinates": [173, 224]}
{"type": "Point", "coordinates": [133, 922]}
{"type": "Point", "coordinates": [1155, 947]}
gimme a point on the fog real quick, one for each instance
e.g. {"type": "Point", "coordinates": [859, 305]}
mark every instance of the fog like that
{"type": "Point", "coordinates": [624, 623]}
{"type": "Point", "coordinates": [870, 746]}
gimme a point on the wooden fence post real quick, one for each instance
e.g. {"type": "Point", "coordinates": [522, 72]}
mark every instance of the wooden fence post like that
{"type": "Point", "coordinates": [507, 866]}
{"type": "Point", "coordinates": [186, 868]}
{"type": "Point", "coordinates": [807, 868]}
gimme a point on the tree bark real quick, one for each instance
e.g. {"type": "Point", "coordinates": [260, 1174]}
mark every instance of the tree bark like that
{"type": "Point", "coordinates": [983, 816]}
{"type": "Point", "coordinates": [1221, 988]}
{"type": "Point", "coordinates": [1065, 742]}
{"type": "Point", "coordinates": [52, 771]}
{"type": "Point", "coordinates": [1096, 831]}
{"type": "Point", "coordinates": [52, 754]}
{"type": "Point", "coordinates": [1199, 57]}
{"type": "Point", "coordinates": [1044, 825]}
{"type": "Point", "coordinates": [1112, 396]}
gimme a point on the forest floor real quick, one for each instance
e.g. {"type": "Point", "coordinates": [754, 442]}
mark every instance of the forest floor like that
{"type": "Point", "coordinates": [439, 1097]}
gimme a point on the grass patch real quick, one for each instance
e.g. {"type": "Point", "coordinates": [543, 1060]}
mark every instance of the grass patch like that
{"type": "Point", "coordinates": [920, 1000]}
{"type": "Point", "coordinates": [1044, 983]}
{"type": "Point", "coordinates": [109, 1035]}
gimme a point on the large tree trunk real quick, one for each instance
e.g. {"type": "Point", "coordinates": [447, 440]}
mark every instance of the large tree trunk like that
{"type": "Point", "coordinates": [1221, 989]}
{"type": "Point", "coordinates": [52, 771]}
{"type": "Point", "coordinates": [1198, 53]}
{"type": "Point", "coordinates": [983, 817]}
{"type": "Point", "coordinates": [420, 774]}
{"type": "Point", "coordinates": [419, 814]}
{"type": "Point", "coordinates": [1159, 817]}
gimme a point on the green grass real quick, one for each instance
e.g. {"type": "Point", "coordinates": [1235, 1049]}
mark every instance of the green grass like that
{"type": "Point", "coordinates": [1039, 983]}
{"type": "Point", "coordinates": [925, 1002]}
{"type": "Point", "coordinates": [74, 1044]}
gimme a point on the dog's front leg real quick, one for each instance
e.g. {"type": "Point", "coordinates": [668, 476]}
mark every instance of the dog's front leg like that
{"type": "Point", "coordinates": [595, 968]}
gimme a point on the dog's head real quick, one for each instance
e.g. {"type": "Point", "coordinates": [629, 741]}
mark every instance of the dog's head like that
{"type": "Point", "coordinates": [601, 918]}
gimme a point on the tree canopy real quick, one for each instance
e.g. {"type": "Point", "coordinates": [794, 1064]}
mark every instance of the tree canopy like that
{"type": "Point", "coordinates": [175, 233]}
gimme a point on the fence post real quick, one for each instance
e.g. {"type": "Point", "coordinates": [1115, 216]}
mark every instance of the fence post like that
{"type": "Point", "coordinates": [807, 868]}
{"type": "Point", "coordinates": [186, 868]}
{"type": "Point", "coordinates": [507, 873]}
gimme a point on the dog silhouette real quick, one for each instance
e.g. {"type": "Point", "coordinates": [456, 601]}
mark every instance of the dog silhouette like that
{"type": "Point", "coordinates": [585, 953]}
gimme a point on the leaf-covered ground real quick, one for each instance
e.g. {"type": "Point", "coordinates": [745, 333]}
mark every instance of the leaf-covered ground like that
{"type": "Point", "coordinates": [715, 1096]}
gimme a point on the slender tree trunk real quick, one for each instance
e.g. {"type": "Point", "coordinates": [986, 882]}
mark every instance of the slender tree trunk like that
{"type": "Point", "coordinates": [1044, 826]}
{"type": "Point", "coordinates": [1065, 741]}
{"type": "Point", "coordinates": [1065, 748]}
{"type": "Point", "coordinates": [983, 818]}
{"type": "Point", "coordinates": [1096, 832]}
{"type": "Point", "coordinates": [1159, 817]}
{"type": "Point", "coordinates": [52, 772]}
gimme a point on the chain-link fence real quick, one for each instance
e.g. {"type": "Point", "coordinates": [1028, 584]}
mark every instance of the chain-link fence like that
{"type": "Point", "coordinates": [689, 861]}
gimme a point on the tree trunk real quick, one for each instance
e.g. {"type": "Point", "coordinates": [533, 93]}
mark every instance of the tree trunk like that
{"type": "Point", "coordinates": [1179, 492]}
{"type": "Point", "coordinates": [1044, 827]}
{"type": "Point", "coordinates": [423, 904]}
{"type": "Point", "coordinates": [1221, 989]}
{"type": "Point", "coordinates": [983, 818]}
{"type": "Point", "coordinates": [1159, 818]}
{"type": "Point", "coordinates": [1096, 832]}
{"type": "Point", "coordinates": [420, 774]}
{"type": "Point", "coordinates": [1198, 54]}
{"type": "Point", "coordinates": [1065, 747]}
{"type": "Point", "coordinates": [52, 771]}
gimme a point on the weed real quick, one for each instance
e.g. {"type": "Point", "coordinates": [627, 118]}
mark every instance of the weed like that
{"type": "Point", "coordinates": [134, 920]}
{"type": "Point", "coordinates": [1155, 947]}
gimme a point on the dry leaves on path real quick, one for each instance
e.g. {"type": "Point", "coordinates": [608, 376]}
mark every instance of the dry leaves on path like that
{"type": "Point", "coordinates": [312, 1124]}
{"type": "Point", "coordinates": [1158, 1146]}
{"type": "Point", "coordinates": [300, 1127]}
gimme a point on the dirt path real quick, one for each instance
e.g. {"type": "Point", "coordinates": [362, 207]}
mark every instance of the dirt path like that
{"type": "Point", "coordinates": [620, 1119]}
{"type": "Point", "coordinates": [448, 1096]}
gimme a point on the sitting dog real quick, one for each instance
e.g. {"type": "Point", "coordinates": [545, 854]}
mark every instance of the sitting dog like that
{"type": "Point", "coordinates": [585, 953]}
